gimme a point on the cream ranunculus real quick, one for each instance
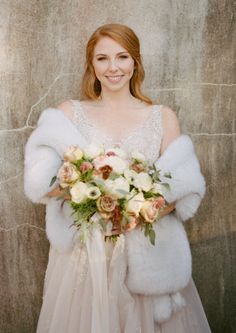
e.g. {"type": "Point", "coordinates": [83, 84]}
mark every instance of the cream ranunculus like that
{"type": "Point", "coordinates": [143, 181]}
{"type": "Point", "coordinates": [72, 154]}
{"type": "Point", "coordinates": [117, 151]}
{"type": "Point", "coordinates": [121, 184]}
{"type": "Point", "coordinates": [117, 186]}
{"type": "Point", "coordinates": [135, 204]}
{"type": "Point", "coordinates": [117, 164]}
{"type": "Point", "coordinates": [138, 156]}
{"type": "Point", "coordinates": [93, 192]}
{"type": "Point", "coordinates": [107, 185]}
{"type": "Point", "coordinates": [67, 174]}
{"type": "Point", "coordinates": [79, 192]}
{"type": "Point", "coordinates": [92, 151]}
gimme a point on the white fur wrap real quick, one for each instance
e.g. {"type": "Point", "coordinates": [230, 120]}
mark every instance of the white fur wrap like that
{"type": "Point", "coordinates": [158, 270]}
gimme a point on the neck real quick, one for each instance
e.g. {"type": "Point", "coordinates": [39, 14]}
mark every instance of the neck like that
{"type": "Point", "coordinates": [117, 99]}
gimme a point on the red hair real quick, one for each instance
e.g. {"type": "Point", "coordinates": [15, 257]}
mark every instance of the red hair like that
{"type": "Point", "coordinates": [125, 36]}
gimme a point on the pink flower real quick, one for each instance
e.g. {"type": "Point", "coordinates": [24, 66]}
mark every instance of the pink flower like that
{"type": "Point", "coordinates": [105, 170]}
{"type": "Point", "coordinates": [110, 153]}
{"type": "Point", "coordinates": [85, 166]}
{"type": "Point", "coordinates": [137, 167]}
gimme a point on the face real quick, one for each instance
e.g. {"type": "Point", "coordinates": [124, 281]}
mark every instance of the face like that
{"type": "Point", "coordinates": [113, 65]}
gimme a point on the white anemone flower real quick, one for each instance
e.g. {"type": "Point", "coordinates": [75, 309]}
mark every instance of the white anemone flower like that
{"type": "Point", "coordinates": [93, 192]}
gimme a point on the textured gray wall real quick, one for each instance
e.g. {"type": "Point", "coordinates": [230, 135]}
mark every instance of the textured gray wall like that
{"type": "Point", "coordinates": [188, 49]}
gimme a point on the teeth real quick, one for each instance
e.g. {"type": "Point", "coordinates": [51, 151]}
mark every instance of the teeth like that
{"type": "Point", "coordinates": [115, 78]}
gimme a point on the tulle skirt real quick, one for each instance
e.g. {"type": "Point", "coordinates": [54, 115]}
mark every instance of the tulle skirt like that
{"type": "Point", "coordinates": [85, 292]}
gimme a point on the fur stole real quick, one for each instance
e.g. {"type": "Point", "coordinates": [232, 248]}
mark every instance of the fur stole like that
{"type": "Point", "coordinates": [161, 270]}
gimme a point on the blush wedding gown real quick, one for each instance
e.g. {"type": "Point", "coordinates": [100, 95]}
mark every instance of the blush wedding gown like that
{"type": "Point", "coordinates": [83, 295]}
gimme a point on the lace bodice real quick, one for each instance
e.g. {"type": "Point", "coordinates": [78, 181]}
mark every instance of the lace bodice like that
{"type": "Point", "coordinates": [146, 138]}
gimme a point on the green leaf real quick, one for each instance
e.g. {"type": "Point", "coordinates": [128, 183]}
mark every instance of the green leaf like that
{"type": "Point", "coordinates": [85, 209]}
{"type": "Point", "coordinates": [86, 176]}
{"type": "Point", "coordinates": [79, 162]}
{"type": "Point", "coordinates": [114, 238]}
{"type": "Point", "coordinates": [146, 231]}
{"type": "Point", "coordinates": [149, 194]}
{"type": "Point", "coordinates": [102, 224]}
{"type": "Point", "coordinates": [166, 185]}
{"type": "Point", "coordinates": [152, 236]}
{"type": "Point", "coordinates": [53, 180]}
{"type": "Point", "coordinates": [122, 191]}
{"type": "Point", "coordinates": [167, 175]}
{"type": "Point", "coordinates": [113, 175]}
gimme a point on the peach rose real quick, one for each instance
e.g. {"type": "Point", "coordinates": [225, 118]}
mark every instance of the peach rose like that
{"type": "Point", "coordinates": [67, 174]}
{"type": "Point", "coordinates": [149, 211]}
{"type": "Point", "coordinates": [106, 204]}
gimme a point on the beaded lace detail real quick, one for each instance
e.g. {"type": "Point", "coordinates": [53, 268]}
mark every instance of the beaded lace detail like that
{"type": "Point", "coordinates": [146, 138]}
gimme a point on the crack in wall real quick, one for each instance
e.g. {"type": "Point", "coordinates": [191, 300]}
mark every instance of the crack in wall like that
{"type": "Point", "coordinates": [11, 73]}
{"type": "Point", "coordinates": [46, 94]}
{"type": "Point", "coordinates": [59, 76]}
{"type": "Point", "coordinates": [20, 226]}
{"type": "Point", "coordinates": [211, 134]}
{"type": "Point", "coordinates": [11, 178]}
{"type": "Point", "coordinates": [194, 84]}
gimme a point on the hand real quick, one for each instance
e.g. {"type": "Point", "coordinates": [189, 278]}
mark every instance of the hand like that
{"type": "Point", "coordinates": [168, 209]}
{"type": "Point", "coordinates": [58, 191]}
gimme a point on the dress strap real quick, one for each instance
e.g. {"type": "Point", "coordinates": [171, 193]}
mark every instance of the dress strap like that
{"type": "Point", "coordinates": [76, 110]}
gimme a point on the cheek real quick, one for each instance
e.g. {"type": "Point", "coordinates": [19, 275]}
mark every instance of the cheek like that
{"type": "Point", "coordinates": [98, 68]}
{"type": "Point", "coordinates": [101, 66]}
{"type": "Point", "coordinates": [129, 66]}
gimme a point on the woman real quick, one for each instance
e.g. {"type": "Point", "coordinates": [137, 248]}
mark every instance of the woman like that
{"type": "Point", "coordinates": [131, 286]}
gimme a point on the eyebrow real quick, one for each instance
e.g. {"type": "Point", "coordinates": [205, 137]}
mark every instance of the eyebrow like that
{"type": "Point", "coordinates": [101, 54]}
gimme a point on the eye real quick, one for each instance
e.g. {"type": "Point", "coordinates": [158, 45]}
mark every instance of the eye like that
{"type": "Point", "coordinates": [124, 56]}
{"type": "Point", "coordinates": [101, 58]}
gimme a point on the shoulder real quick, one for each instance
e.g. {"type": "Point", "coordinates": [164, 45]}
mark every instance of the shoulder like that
{"type": "Point", "coordinates": [169, 117]}
{"type": "Point", "coordinates": [67, 108]}
{"type": "Point", "coordinates": [171, 127]}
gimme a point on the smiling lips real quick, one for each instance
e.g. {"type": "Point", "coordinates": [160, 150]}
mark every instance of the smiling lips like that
{"type": "Point", "coordinates": [114, 79]}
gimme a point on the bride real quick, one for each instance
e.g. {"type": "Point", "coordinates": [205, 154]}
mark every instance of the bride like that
{"type": "Point", "coordinates": [130, 286]}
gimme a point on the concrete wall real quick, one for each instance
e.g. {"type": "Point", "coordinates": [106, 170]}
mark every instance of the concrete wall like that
{"type": "Point", "coordinates": [188, 51]}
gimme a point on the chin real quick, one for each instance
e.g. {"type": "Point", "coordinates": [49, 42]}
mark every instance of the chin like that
{"type": "Point", "coordinates": [115, 87]}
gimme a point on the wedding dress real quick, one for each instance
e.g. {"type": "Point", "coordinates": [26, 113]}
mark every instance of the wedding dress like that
{"type": "Point", "coordinates": [85, 289]}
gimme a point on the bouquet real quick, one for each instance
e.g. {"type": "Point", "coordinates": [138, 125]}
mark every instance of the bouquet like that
{"type": "Point", "coordinates": [109, 189]}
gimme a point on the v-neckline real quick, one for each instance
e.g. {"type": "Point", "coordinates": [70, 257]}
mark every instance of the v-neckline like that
{"type": "Point", "coordinates": [103, 133]}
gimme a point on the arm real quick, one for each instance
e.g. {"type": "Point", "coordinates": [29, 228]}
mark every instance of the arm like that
{"type": "Point", "coordinates": [171, 130]}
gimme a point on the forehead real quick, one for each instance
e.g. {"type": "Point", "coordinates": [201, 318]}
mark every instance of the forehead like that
{"type": "Point", "coordinates": [107, 45]}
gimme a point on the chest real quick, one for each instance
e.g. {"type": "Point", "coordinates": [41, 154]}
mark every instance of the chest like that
{"type": "Point", "coordinates": [146, 137]}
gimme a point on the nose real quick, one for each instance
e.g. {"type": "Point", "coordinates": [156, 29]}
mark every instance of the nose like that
{"type": "Point", "coordinates": [113, 65]}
